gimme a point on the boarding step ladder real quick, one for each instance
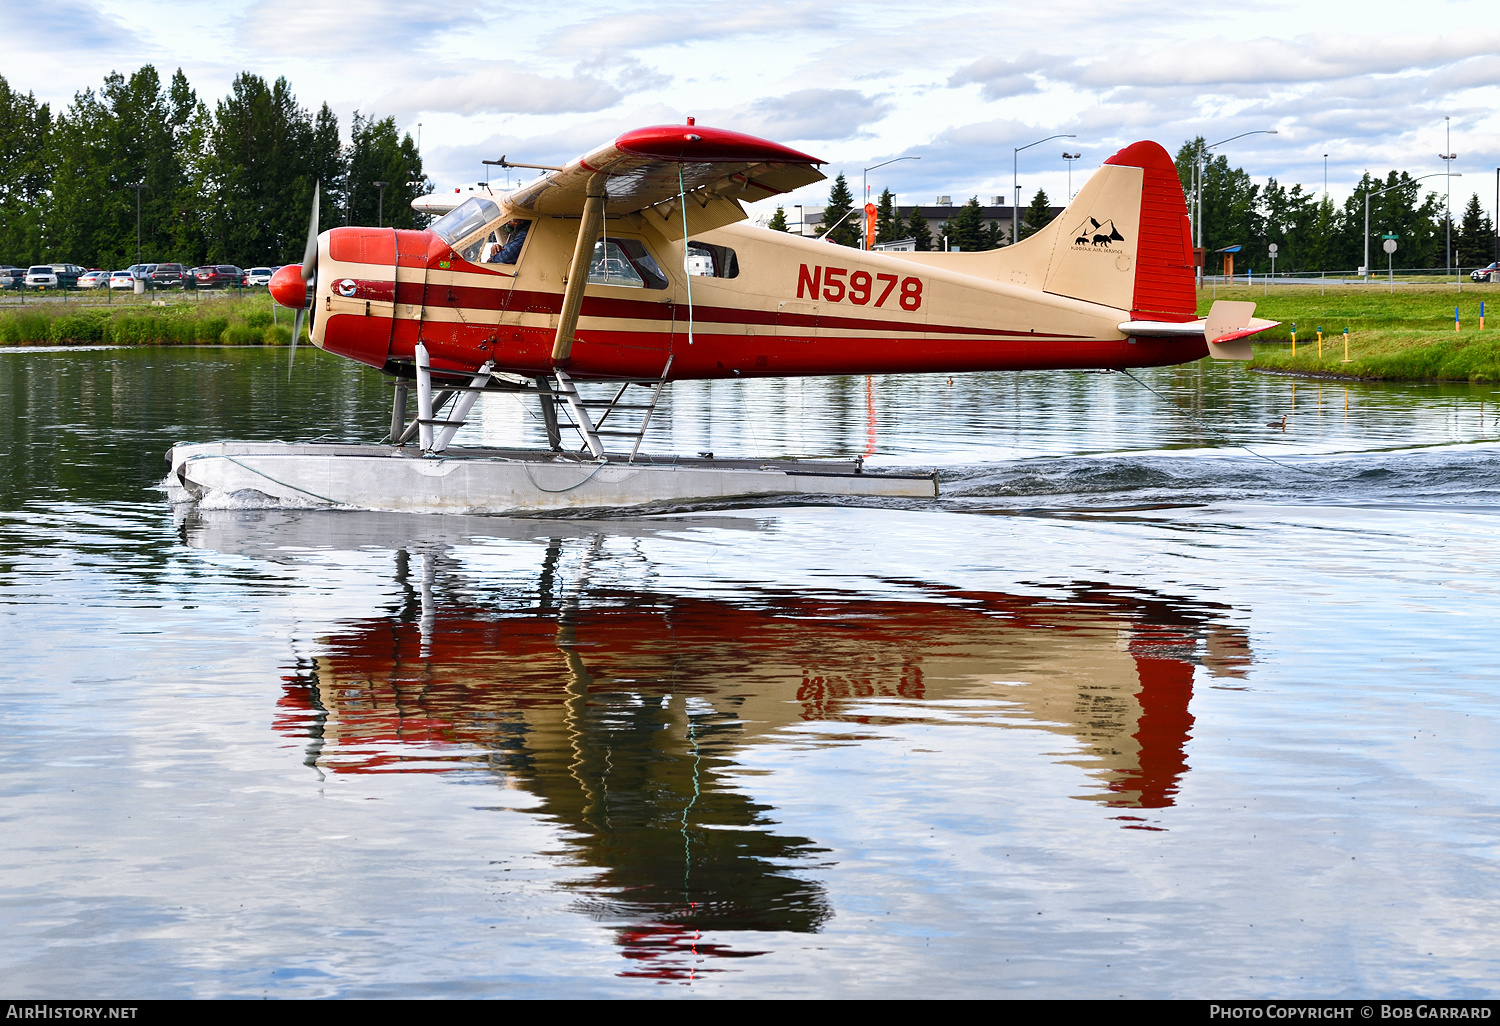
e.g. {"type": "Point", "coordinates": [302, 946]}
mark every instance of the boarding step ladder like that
{"type": "Point", "coordinates": [594, 432]}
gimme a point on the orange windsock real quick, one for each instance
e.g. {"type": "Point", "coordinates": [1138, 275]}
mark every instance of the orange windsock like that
{"type": "Point", "coordinates": [869, 225]}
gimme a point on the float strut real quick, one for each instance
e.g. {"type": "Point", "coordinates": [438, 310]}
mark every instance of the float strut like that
{"type": "Point", "coordinates": [549, 414]}
{"type": "Point", "coordinates": [398, 413]}
{"type": "Point", "coordinates": [461, 408]}
{"type": "Point", "coordinates": [424, 398]}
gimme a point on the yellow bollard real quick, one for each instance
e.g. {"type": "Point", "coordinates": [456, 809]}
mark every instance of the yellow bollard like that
{"type": "Point", "coordinates": [1346, 345]}
{"type": "Point", "coordinates": [1320, 343]}
{"type": "Point", "coordinates": [1294, 339]}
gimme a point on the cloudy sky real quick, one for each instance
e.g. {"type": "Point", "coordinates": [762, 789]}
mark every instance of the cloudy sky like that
{"type": "Point", "coordinates": [960, 85]}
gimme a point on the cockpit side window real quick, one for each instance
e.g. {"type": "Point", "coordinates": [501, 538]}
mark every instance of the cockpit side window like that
{"type": "Point", "coordinates": [504, 244]}
{"type": "Point", "coordinates": [712, 261]}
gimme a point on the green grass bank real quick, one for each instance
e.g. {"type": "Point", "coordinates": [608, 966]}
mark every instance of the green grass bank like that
{"type": "Point", "coordinates": [1402, 336]}
{"type": "Point", "coordinates": [230, 321]}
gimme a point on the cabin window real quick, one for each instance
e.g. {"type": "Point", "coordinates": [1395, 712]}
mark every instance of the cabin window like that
{"type": "Point", "coordinates": [625, 262]}
{"type": "Point", "coordinates": [465, 219]}
{"type": "Point", "coordinates": [712, 261]}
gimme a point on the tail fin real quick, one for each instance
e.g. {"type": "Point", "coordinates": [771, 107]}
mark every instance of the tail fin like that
{"type": "Point", "coordinates": [1124, 241]}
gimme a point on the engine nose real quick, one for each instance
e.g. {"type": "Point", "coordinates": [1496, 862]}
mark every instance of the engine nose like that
{"type": "Point", "coordinates": [288, 288]}
{"type": "Point", "coordinates": [355, 306]}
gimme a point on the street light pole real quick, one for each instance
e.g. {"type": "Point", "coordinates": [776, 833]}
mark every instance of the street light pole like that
{"type": "Point", "coordinates": [864, 180]}
{"type": "Point", "coordinates": [380, 204]}
{"type": "Point", "coordinates": [1448, 158]}
{"type": "Point", "coordinates": [1382, 192]}
{"type": "Point", "coordinates": [1198, 205]}
{"type": "Point", "coordinates": [137, 189]}
{"type": "Point", "coordinates": [1015, 170]}
{"type": "Point", "coordinates": [1070, 157]}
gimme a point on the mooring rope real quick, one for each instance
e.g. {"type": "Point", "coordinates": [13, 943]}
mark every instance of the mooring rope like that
{"type": "Point", "coordinates": [686, 270]}
{"type": "Point", "coordinates": [1209, 427]}
{"type": "Point", "coordinates": [268, 477]}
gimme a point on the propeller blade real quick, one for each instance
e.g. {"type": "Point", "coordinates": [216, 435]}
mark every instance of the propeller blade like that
{"type": "Point", "coordinates": [310, 254]}
{"type": "Point", "coordinates": [296, 333]}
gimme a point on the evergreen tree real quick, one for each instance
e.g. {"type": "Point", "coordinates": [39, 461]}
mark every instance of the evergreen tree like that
{"type": "Point", "coordinates": [888, 226]}
{"type": "Point", "coordinates": [965, 229]}
{"type": "Point", "coordinates": [1476, 236]}
{"type": "Point", "coordinates": [376, 154]}
{"type": "Point", "coordinates": [840, 202]}
{"type": "Point", "coordinates": [191, 126]}
{"type": "Point", "coordinates": [1287, 220]}
{"type": "Point", "coordinates": [107, 144]}
{"type": "Point", "coordinates": [327, 167]}
{"type": "Point", "coordinates": [916, 227]}
{"type": "Point", "coordinates": [25, 174]}
{"type": "Point", "coordinates": [994, 236]}
{"type": "Point", "coordinates": [1418, 226]}
{"type": "Point", "coordinates": [778, 221]}
{"type": "Point", "coordinates": [259, 182]}
{"type": "Point", "coordinates": [1036, 216]}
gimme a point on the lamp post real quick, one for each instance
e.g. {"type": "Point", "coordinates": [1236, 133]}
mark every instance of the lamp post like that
{"type": "Point", "coordinates": [1015, 171]}
{"type": "Point", "coordinates": [1198, 188]}
{"type": "Point", "coordinates": [137, 189]}
{"type": "Point", "coordinates": [1382, 192]}
{"type": "Point", "coordinates": [1448, 158]}
{"type": "Point", "coordinates": [864, 180]}
{"type": "Point", "coordinates": [1070, 157]}
{"type": "Point", "coordinates": [380, 204]}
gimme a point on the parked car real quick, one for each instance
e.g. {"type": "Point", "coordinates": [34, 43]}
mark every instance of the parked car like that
{"type": "Point", "coordinates": [121, 280]}
{"type": "Point", "coordinates": [53, 276]}
{"type": "Point", "coordinates": [218, 275]}
{"type": "Point", "coordinates": [141, 271]}
{"type": "Point", "coordinates": [259, 275]}
{"type": "Point", "coordinates": [164, 276]}
{"type": "Point", "coordinates": [1485, 273]}
{"type": "Point", "coordinates": [11, 277]}
{"type": "Point", "coordinates": [93, 279]}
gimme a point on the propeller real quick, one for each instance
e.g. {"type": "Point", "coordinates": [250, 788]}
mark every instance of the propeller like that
{"type": "Point", "coordinates": [295, 286]}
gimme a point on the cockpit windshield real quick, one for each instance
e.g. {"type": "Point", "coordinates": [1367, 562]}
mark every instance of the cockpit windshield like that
{"type": "Point", "coordinates": [465, 219]}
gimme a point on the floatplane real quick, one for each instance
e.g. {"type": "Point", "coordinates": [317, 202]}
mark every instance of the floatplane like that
{"type": "Point", "coordinates": [596, 284]}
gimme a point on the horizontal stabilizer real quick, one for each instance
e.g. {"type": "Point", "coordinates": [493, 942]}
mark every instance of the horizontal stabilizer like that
{"type": "Point", "coordinates": [1225, 329]}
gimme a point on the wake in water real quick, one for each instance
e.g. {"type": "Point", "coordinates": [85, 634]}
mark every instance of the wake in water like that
{"type": "Point", "coordinates": [1463, 476]}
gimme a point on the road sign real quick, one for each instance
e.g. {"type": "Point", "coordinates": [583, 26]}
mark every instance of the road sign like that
{"type": "Point", "coordinates": [1390, 236]}
{"type": "Point", "coordinates": [1272, 248]}
{"type": "Point", "coordinates": [1390, 244]}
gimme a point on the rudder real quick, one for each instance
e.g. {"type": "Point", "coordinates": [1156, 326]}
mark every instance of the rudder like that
{"type": "Point", "coordinates": [1124, 240]}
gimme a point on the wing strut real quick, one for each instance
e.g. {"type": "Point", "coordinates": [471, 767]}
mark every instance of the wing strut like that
{"type": "Point", "coordinates": [578, 272]}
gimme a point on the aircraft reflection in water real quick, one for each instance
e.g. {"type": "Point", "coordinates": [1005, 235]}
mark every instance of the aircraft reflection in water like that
{"type": "Point", "coordinates": [622, 709]}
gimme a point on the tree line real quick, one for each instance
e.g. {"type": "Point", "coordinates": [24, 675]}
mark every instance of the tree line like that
{"type": "Point", "coordinates": [1311, 232]}
{"type": "Point", "coordinates": [965, 230]}
{"type": "Point", "coordinates": [227, 183]}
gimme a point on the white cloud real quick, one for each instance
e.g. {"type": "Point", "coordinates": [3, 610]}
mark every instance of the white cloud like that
{"type": "Point", "coordinates": [336, 28]}
{"type": "Point", "coordinates": [503, 87]}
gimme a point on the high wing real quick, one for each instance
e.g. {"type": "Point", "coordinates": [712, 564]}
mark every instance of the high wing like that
{"type": "Point", "coordinates": [638, 173]}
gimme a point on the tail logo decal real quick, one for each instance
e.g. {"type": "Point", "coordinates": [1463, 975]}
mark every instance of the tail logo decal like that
{"type": "Point", "coordinates": [1092, 235]}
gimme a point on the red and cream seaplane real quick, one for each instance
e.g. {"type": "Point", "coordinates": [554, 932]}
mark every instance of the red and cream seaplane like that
{"type": "Point", "coordinates": [630, 266]}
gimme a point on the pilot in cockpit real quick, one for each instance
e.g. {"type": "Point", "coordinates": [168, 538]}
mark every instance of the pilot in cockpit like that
{"type": "Point", "coordinates": [511, 237]}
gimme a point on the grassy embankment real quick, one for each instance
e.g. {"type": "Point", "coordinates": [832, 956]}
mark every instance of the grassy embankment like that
{"type": "Point", "coordinates": [230, 321]}
{"type": "Point", "coordinates": [1407, 336]}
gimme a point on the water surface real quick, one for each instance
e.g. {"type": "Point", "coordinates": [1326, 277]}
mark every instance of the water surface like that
{"type": "Point", "coordinates": [1156, 700]}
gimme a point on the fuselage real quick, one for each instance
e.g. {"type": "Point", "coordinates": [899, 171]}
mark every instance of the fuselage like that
{"type": "Point", "coordinates": [743, 301]}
